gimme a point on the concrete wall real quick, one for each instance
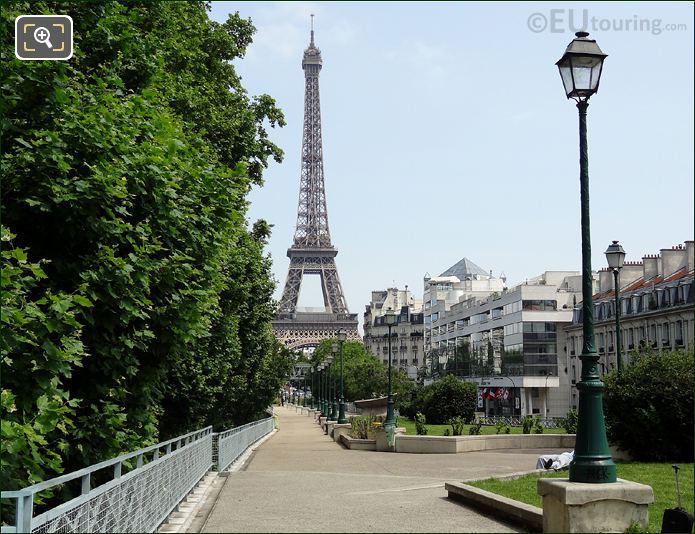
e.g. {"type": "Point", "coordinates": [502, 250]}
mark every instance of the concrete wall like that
{"type": "Point", "coordinates": [458, 444]}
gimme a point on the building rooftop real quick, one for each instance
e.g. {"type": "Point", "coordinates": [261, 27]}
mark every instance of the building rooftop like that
{"type": "Point", "coordinates": [465, 269]}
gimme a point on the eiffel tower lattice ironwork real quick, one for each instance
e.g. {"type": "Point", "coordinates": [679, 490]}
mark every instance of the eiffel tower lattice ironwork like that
{"type": "Point", "coordinates": [311, 252]}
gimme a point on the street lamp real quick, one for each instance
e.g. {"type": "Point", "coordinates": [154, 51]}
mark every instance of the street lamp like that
{"type": "Point", "coordinates": [580, 70]}
{"type": "Point", "coordinates": [304, 386]}
{"type": "Point", "coordinates": [312, 405]}
{"type": "Point", "coordinates": [328, 404]}
{"type": "Point", "coordinates": [342, 336]}
{"type": "Point", "coordinates": [319, 405]}
{"type": "Point", "coordinates": [616, 257]}
{"type": "Point", "coordinates": [334, 393]}
{"type": "Point", "coordinates": [391, 320]}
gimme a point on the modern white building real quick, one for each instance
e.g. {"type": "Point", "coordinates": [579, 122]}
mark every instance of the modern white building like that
{"type": "Point", "coordinates": [656, 303]}
{"type": "Point", "coordinates": [461, 281]}
{"type": "Point", "coordinates": [406, 335]}
{"type": "Point", "coordinates": [506, 342]}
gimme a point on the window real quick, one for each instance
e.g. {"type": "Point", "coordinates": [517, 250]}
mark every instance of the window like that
{"type": "Point", "coordinates": [665, 334]}
{"type": "Point", "coordinates": [610, 341]}
{"type": "Point", "coordinates": [512, 307]}
{"type": "Point", "coordinates": [514, 328]}
{"type": "Point", "coordinates": [630, 338]}
{"type": "Point", "coordinates": [678, 334]}
{"type": "Point", "coordinates": [539, 305]}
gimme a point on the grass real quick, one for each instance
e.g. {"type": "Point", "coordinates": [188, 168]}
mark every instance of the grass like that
{"type": "Point", "coordinates": [657, 475]}
{"type": "Point", "coordinates": [439, 430]}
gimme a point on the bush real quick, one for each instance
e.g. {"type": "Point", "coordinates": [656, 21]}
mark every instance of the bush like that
{"type": "Point", "coordinates": [537, 425]}
{"type": "Point", "coordinates": [569, 422]}
{"type": "Point", "coordinates": [476, 428]}
{"type": "Point", "coordinates": [457, 425]}
{"type": "Point", "coordinates": [649, 407]}
{"type": "Point", "coordinates": [447, 398]}
{"type": "Point", "coordinates": [360, 426]}
{"type": "Point", "coordinates": [420, 427]}
{"type": "Point", "coordinates": [526, 424]}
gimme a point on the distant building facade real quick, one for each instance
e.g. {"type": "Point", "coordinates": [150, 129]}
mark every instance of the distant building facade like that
{"type": "Point", "coordinates": [406, 336]}
{"type": "Point", "coordinates": [506, 342]}
{"type": "Point", "coordinates": [656, 310]}
{"type": "Point", "coordinates": [461, 281]}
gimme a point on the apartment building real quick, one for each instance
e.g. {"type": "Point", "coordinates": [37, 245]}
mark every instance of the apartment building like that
{"type": "Point", "coordinates": [406, 336]}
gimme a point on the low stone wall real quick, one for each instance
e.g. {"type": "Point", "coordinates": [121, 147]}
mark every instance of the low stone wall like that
{"type": "Point", "coordinates": [527, 516]}
{"type": "Point", "coordinates": [458, 444]}
{"type": "Point", "coordinates": [358, 444]}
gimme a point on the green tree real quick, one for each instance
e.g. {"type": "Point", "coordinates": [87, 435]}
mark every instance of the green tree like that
{"type": "Point", "coordinates": [649, 406]}
{"type": "Point", "coordinates": [447, 398]}
{"type": "Point", "coordinates": [364, 377]}
{"type": "Point", "coordinates": [126, 173]}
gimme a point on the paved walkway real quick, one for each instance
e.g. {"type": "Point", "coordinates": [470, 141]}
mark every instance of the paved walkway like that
{"type": "Point", "coordinates": [300, 480]}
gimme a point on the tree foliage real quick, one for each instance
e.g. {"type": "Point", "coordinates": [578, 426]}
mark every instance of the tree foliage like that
{"type": "Point", "coordinates": [145, 308]}
{"type": "Point", "coordinates": [444, 399]}
{"type": "Point", "coordinates": [649, 406]}
{"type": "Point", "coordinates": [364, 377]}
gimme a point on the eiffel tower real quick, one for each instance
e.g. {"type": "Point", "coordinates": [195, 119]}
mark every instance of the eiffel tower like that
{"type": "Point", "coordinates": [312, 252]}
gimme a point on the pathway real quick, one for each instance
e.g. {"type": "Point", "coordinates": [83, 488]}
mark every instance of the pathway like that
{"type": "Point", "coordinates": [300, 480]}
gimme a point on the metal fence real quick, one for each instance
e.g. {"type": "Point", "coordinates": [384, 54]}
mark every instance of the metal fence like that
{"type": "Point", "coordinates": [551, 422]}
{"type": "Point", "coordinates": [232, 443]}
{"type": "Point", "coordinates": [137, 501]}
{"type": "Point", "coordinates": [142, 489]}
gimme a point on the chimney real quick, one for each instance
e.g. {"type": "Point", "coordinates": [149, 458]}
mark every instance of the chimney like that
{"type": "Point", "coordinates": [605, 280]}
{"type": "Point", "coordinates": [690, 251]}
{"type": "Point", "coordinates": [673, 259]}
{"type": "Point", "coordinates": [631, 271]}
{"type": "Point", "coordinates": [650, 266]}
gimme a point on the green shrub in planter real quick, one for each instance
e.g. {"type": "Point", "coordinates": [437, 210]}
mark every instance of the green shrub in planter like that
{"type": "Point", "coordinates": [476, 428]}
{"type": "Point", "coordinates": [526, 424]}
{"type": "Point", "coordinates": [569, 422]}
{"type": "Point", "coordinates": [420, 426]}
{"type": "Point", "coordinates": [457, 425]}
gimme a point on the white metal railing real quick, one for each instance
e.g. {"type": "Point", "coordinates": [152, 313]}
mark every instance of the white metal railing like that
{"type": "Point", "coordinates": [232, 443]}
{"type": "Point", "coordinates": [137, 501]}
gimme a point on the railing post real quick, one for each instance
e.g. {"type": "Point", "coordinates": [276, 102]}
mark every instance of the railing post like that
{"type": "Point", "coordinates": [24, 511]}
{"type": "Point", "coordinates": [86, 488]}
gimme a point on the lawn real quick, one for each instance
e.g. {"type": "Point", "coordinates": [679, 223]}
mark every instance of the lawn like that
{"type": "Point", "coordinates": [658, 476]}
{"type": "Point", "coordinates": [438, 430]}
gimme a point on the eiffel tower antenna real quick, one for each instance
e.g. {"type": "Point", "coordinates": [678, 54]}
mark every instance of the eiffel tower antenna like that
{"type": "Point", "coordinates": [311, 251]}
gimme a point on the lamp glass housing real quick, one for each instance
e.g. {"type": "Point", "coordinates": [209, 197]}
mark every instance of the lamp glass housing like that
{"type": "Point", "coordinates": [341, 335]}
{"type": "Point", "coordinates": [390, 317]}
{"type": "Point", "coordinates": [334, 347]}
{"type": "Point", "coordinates": [615, 256]}
{"type": "Point", "coordinates": [581, 67]}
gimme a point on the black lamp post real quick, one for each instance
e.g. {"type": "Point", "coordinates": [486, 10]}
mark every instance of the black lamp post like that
{"type": "Point", "coordinates": [580, 70]}
{"type": "Point", "coordinates": [342, 336]}
{"type": "Point", "coordinates": [391, 318]}
{"type": "Point", "coordinates": [312, 405]}
{"type": "Point", "coordinates": [616, 257]}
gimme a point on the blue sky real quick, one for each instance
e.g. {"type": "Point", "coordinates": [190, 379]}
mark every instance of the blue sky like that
{"type": "Point", "coordinates": [447, 134]}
